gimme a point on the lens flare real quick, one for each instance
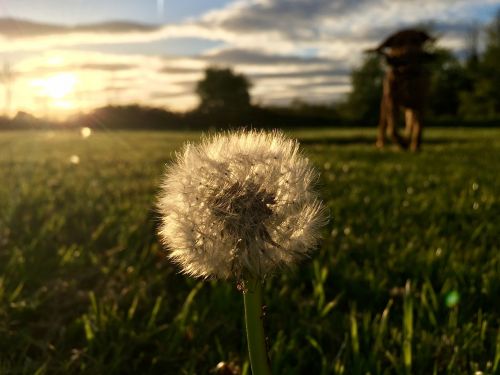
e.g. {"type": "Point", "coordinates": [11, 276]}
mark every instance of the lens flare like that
{"type": "Point", "coordinates": [74, 159]}
{"type": "Point", "coordinates": [85, 132]}
{"type": "Point", "coordinates": [57, 86]}
{"type": "Point", "coordinates": [452, 299]}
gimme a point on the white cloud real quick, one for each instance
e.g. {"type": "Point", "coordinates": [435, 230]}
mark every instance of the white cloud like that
{"type": "Point", "coordinates": [335, 28]}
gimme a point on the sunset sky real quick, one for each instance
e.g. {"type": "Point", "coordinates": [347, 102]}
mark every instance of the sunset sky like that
{"type": "Point", "coordinates": [64, 56]}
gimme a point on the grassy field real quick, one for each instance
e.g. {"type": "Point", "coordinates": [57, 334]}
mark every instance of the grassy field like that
{"type": "Point", "coordinates": [407, 279]}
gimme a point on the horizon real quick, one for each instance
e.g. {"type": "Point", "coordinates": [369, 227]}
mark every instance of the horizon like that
{"type": "Point", "coordinates": [63, 59]}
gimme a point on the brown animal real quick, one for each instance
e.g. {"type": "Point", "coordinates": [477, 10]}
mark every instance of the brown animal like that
{"type": "Point", "coordinates": [405, 86]}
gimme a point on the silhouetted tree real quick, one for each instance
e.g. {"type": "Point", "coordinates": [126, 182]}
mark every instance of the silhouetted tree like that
{"type": "Point", "coordinates": [483, 101]}
{"type": "Point", "coordinates": [472, 45]}
{"type": "Point", "coordinates": [222, 89]}
{"type": "Point", "coordinates": [363, 101]}
{"type": "Point", "coordinates": [448, 79]}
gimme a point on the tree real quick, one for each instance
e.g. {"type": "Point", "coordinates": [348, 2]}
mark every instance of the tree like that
{"type": "Point", "coordinates": [483, 101]}
{"type": "Point", "coordinates": [448, 80]}
{"type": "Point", "coordinates": [222, 89]}
{"type": "Point", "coordinates": [472, 45]}
{"type": "Point", "coordinates": [363, 102]}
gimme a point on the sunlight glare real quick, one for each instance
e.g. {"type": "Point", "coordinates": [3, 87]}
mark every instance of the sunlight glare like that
{"type": "Point", "coordinates": [55, 60]}
{"type": "Point", "coordinates": [85, 132]}
{"type": "Point", "coordinates": [74, 159]}
{"type": "Point", "coordinates": [56, 86]}
{"type": "Point", "coordinates": [63, 104]}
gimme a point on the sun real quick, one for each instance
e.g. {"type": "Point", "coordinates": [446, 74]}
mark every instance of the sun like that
{"type": "Point", "coordinates": [57, 86]}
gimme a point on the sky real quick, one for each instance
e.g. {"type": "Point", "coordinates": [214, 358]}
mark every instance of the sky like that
{"type": "Point", "coordinates": [62, 57]}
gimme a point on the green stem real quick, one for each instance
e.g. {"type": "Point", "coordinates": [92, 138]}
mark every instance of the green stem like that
{"type": "Point", "coordinates": [255, 329]}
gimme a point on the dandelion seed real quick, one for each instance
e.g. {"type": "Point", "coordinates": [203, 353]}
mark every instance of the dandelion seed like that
{"type": "Point", "coordinates": [240, 204]}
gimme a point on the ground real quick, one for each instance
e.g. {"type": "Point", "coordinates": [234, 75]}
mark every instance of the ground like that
{"type": "Point", "coordinates": [406, 279]}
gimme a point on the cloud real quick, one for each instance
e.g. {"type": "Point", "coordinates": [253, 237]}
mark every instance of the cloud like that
{"type": "Point", "coordinates": [301, 73]}
{"type": "Point", "coordinates": [19, 28]}
{"type": "Point", "coordinates": [233, 56]}
{"type": "Point", "coordinates": [288, 48]}
{"type": "Point", "coordinates": [23, 35]}
{"type": "Point", "coordinates": [280, 78]}
{"type": "Point", "coordinates": [292, 18]}
{"type": "Point", "coordinates": [263, 65]}
{"type": "Point", "coordinates": [179, 70]}
{"type": "Point", "coordinates": [106, 67]}
{"type": "Point", "coordinates": [15, 28]}
{"type": "Point", "coordinates": [265, 69]}
{"type": "Point", "coordinates": [334, 29]}
{"type": "Point", "coordinates": [167, 95]}
{"type": "Point", "coordinates": [308, 19]}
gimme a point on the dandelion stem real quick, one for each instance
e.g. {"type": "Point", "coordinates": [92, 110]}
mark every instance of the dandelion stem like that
{"type": "Point", "coordinates": [255, 329]}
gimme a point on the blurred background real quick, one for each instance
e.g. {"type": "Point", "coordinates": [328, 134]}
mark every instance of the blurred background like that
{"type": "Point", "coordinates": [96, 96]}
{"type": "Point", "coordinates": [296, 62]}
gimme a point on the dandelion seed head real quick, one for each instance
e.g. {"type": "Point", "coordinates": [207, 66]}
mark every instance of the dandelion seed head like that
{"type": "Point", "coordinates": [239, 204]}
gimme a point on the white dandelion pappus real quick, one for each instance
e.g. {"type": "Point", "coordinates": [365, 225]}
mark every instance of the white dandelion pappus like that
{"type": "Point", "coordinates": [239, 204]}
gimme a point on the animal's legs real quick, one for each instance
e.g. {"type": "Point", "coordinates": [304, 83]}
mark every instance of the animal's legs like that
{"type": "Point", "coordinates": [416, 134]}
{"type": "Point", "coordinates": [382, 124]}
{"type": "Point", "coordinates": [408, 123]}
{"type": "Point", "coordinates": [392, 116]}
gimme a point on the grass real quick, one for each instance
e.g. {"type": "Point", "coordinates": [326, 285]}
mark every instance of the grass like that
{"type": "Point", "coordinates": [407, 279]}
